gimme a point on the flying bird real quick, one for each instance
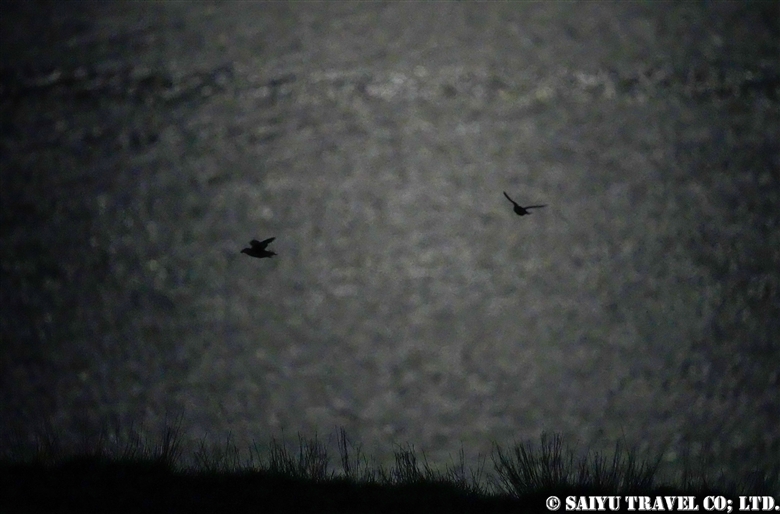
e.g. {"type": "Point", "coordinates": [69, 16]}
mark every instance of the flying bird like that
{"type": "Point", "coordinates": [520, 210]}
{"type": "Point", "coordinates": [258, 248]}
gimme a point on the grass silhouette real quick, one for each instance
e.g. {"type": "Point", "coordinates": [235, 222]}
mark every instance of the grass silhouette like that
{"type": "Point", "coordinates": [138, 476]}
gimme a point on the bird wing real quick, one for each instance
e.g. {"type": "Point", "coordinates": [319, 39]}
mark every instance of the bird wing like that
{"type": "Point", "coordinates": [535, 206]}
{"type": "Point", "coordinates": [261, 244]}
{"type": "Point", "coordinates": [507, 197]}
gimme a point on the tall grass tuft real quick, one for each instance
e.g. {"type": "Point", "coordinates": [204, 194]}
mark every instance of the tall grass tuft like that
{"type": "Point", "coordinates": [311, 462]}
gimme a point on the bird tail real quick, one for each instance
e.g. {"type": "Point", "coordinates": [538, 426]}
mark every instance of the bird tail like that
{"type": "Point", "coordinates": [507, 197]}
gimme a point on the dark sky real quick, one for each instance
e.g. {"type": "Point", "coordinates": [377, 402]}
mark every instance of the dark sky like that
{"type": "Point", "coordinates": [144, 144]}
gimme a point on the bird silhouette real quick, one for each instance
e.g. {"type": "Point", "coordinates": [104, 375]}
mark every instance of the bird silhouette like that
{"type": "Point", "coordinates": [520, 210]}
{"type": "Point", "coordinates": [258, 248]}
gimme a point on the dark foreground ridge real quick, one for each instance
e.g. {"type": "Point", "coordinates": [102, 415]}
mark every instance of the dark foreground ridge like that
{"type": "Point", "coordinates": [138, 479]}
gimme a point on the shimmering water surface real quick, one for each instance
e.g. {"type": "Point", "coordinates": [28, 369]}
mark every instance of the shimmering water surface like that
{"type": "Point", "coordinates": [144, 144]}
